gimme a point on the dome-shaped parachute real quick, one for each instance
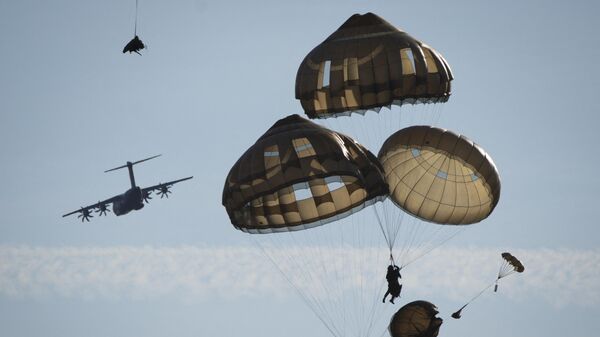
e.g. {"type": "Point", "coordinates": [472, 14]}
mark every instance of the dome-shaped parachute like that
{"type": "Point", "coordinates": [295, 178]}
{"type": "Point", "coordinates": [367, 64]}
{"type": "Point", "coordinates": [300, 175]}
{"type": "Point", "coordinates": [416, 319]}
{"type": "Point", "coordinates": [439, 176]}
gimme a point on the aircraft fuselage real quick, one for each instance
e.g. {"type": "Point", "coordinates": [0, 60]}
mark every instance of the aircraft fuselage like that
{"type": "Point", "coordinates": [128, 201]}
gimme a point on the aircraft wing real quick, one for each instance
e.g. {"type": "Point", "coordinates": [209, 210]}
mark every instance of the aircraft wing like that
{"type": "Point", "coordinates": [163, 188]}
{"type": "Point", "coordinates": [100, 207]}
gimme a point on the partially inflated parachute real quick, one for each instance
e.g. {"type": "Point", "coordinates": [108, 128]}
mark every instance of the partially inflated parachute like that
{"type": "Point", "coordinates": [368, 64]}
{"type": "Point", "coordinates": [509, 266]}
{"type": "Point", "coordinates": [512, 265]}
{"type": "Point", "coordinates": [416, 319]}
{"type": "Point", "coordinates": [439, 176]}
{"type": "Point", "coordinates": [300, 175]}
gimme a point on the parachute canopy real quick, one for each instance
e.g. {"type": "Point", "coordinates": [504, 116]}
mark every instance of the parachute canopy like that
{"type": "Point", "coordinates": [134, 46]}
{"type": "Point", "coordinates": [300, 175]}
{"type": "Point", "coordinates": [439, 176]}
{"type": "Point", "coordinates": [416, 319]}
{"type": "Point", "coordinates": [509, 266]}
{"type": "Point", "coordinates": [368, 64]}
{"type": "Point", "coordinates": [513, 262]}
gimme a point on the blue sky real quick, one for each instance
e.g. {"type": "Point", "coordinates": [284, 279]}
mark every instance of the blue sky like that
{"type": "Point", "coordinates": [216, 75]}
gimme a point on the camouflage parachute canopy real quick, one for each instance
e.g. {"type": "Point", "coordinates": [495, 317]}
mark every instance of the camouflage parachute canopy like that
{"type": "Point", "coordinates": [514, 262]}
{"type": "Point", "coordinates": [300, 175]}
{"type": "Point", "coordinates": [367, 64]}
{"type": "Point", "coordinates": [416, 319]}
{"type": "Point", "coordinates": [440, 176]}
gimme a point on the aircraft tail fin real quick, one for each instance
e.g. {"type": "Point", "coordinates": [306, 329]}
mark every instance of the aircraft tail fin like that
{"type": "Point", "coordinates": [129, 163]}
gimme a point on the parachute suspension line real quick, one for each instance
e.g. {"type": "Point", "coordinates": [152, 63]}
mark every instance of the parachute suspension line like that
{"type": "Point", "coordinates": [302, 295]}
{"type": "Point", "coordinates": [438, 113]}
{"type": "Point", "coordinates": [400, 112]}
{"type": "Point", "coordinates": [409, 244]}
{"type": "Point", "coordinates": [364, 298]}
{"type": "Point", "coordinates": [381, 132]}
{"type": "Point", "coordinates": [365, 132]}
{"type": "Point", "coordinates": [348, 305]}
{"type": "Point", "coordinates": [476, 296]}
{"type": "Point", "coordinates": [418, 238]}
{"type": "Point", "coordinates": [505, 269]}
{"type": "Point", "coordinates": [366, 240]}
{"type": "Point", "coordinates": [394, 223]}
{"type": "Point", "coordinates": [430, 249]}
{"type": "Point", "coordinates": [324, 309]}
{"type": "Point", "coordinates": [357, 261]}
{"type": "Point", "coordinates": [404, 246]}
{"type": "Point", "coordinates": [503, 265]}
{"type": "Point", "coordinates": [335, 301]}
{"type": "Point", "coordinates": [393, 226]}
{"type": "Point", "coordinates": [136, 18]}
{"type": "Point", "coordinates": [383, 231]}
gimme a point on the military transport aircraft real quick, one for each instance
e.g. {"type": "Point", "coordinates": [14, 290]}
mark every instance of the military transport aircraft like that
{"type": "Point", "coordinates": [132, 199]}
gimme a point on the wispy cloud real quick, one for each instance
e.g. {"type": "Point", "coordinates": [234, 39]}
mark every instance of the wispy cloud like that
{"type": "Point", "coordinates": [135, 272]}
{"type": "Point", "coordinates": [558, 276]}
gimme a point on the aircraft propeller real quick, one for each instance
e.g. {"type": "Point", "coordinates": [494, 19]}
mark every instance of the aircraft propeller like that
{"type": "Point", "coordinates": [147, 196]}
{"type": "Point", "coordinates": [102, 209]}
{"type": "Point", "coordinates": [85, 215]}
{"type": "Point", "coordinates": [164, 191]}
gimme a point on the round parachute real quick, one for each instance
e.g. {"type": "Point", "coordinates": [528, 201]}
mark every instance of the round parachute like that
{"type": "Point", "coordinates": [367, 64]}
{"type": "Point", "coordinates": [439, 176]}
{"type": "Point", "coordinates": [512, 264]}
{"type": "Point", "coordinates": [416, 319]}
{"type": "Point", "coordinates": [300, 175]}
